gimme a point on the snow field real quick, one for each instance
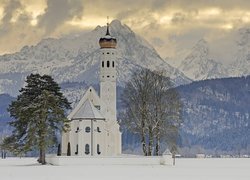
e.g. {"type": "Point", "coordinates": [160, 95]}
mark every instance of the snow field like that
{"type": "Point", "coordinates": [185, 169]}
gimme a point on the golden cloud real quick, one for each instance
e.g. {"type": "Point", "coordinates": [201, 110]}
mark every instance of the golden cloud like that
{"type": "Point", "coordinates": [154, 19]}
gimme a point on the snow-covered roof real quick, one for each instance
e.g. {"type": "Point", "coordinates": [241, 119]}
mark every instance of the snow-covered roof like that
{"type": "Point", "coordinates": [88, 111]}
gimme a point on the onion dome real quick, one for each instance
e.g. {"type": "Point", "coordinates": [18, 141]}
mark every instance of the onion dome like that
{"type": "Point", "coordinates": [107, 41]}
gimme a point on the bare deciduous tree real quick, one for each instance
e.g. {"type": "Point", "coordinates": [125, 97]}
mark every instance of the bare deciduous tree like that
{"type": "Point", "coordinates": [152, 109]}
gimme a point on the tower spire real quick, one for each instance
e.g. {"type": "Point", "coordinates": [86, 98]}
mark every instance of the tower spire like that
{"type": "Point", "coordinates": [107, 41]}
{"type": "Point", "coordinates": [107, 33]}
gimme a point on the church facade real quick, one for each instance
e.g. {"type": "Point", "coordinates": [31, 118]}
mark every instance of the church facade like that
{"type": "Point", "coordinates": [94, 130]}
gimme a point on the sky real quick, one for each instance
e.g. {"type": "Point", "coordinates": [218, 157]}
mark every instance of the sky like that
{"type": "Point", "coordinates": [171, 26]}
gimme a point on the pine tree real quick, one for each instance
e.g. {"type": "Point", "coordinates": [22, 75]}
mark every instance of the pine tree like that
{"type": "Point", "coordinates": [39, 113]}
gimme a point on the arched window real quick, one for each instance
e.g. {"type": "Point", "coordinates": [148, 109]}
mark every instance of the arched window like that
{"type": "Point", "coordinates": [98, 149]}
{"type": "Point", "coordinates": [76, 149]}
{"type": "Point", "coordinates": [87, 129]}
{"type": "Point", "coordinates": [87, 149]}
{"type": "Point", "coordinates": [98, 129]}
{"type": "Point", "coordinates": [102, 63]}
{"type": "Point", "coordinates": [113, 63]}
{"type": "Point", "coordinates": [107, 63]}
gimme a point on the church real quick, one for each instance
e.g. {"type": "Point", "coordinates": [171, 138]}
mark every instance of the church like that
{"type": "Point", "coordinates": [94, 130]}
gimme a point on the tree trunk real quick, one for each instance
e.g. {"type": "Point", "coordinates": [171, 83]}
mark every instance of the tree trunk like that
{"type": "Point", "coordinates": [40, 156]}
{"type": "Point", "coordinates": [144, 148]}
{"type": "Point", "coordinates": [43, 157]}
{"type": "Point", "coordinates": [150, 142]}
{"type": "Point", "coordinates": [157, 145]}
{"type": "Point", "coordinates": [42, 149]}
{"type": "Point", "coordinates": [143, 142]}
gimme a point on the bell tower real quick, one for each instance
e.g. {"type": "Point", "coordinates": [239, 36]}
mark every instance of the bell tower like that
{"type": "Point", "coordinates": [108, 72]}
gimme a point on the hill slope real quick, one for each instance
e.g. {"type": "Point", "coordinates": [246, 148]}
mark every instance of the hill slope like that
{"type": "Point", "coordinates": [216, 114]}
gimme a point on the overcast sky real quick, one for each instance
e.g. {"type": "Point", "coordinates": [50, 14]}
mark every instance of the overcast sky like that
{"type": "Point", "coordinates": [172, 26]}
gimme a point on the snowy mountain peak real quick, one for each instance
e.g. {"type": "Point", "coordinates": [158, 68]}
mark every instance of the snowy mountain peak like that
{"type": "Point", "coordinates": [197, 65]}
{"type": "Point", "coordinates": [75, 58]}
{"type": "Point", "coordinates": [241, 65]}
{"type": "Point", "coordinates": [244, 38]}
{"type": "Point", "coordinates": [200, 49]}
{"type": "Point", "coordinates": [116, 23]}
{"type": "Point", "coordinates": [97, 28]}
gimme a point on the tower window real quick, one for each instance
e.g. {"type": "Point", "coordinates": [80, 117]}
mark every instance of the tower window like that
{"type": "Point", "coordinates": [107, 63]}
{"type": "Point", "coordinates": [98, 129]}
{"type": "Point", "coordinates": [102, 63]}
{"type": "Point", "coordinates": [113, 63]}
{"type": "Point", "coordinates": [112, 53]}
{"type": "Point", "coordinates": [77, 129]}
{"type": "Point", "coordinates": [98, 149]}
{"type": "Point", "coordinates": [87, 129]}
{"type": "Point", "coordinates": [87, 149]}
{"type": "Point", "coordinates": [107, 52]}
{"type": "Point", "coordinates": [107, 76]}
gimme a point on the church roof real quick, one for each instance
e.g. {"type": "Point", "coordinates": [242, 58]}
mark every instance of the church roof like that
{"type": "Point", "coordinates": [88, 111]}
{"type": "Point", "coordinates": [94, 100]}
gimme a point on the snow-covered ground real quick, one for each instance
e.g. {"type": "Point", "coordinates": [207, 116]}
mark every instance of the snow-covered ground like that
{"type": "Point", "coordinates": [185, 169]}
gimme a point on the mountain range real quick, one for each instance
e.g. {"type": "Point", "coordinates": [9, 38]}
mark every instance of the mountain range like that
{"type": "Point", "coordinates": [76, 59]}
{"type": "Point", "coordinates": [198, 64]}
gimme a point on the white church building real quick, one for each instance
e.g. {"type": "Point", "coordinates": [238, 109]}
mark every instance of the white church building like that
{"type": "Point", "coordinates": [94, 130]}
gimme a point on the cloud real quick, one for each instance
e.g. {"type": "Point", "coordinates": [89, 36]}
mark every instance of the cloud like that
{"type": "Point", "coordinates": [126, 14]}
{"type": "Point", "coordinates": [178, 18]}
{"type": "Point", "coordinates": [9, 11]}
{"type": "Point", "coordinates": [15, 28]}
{"type": "Point", "coordinates": [59, 11]}
{"type": "Point", "coordinates": [159, 4]}
{"type": "Point", "coordinates": [170, 25]}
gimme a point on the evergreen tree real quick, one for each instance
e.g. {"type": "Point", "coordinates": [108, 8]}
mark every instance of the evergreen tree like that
{"type": "Point", "coordinates": [39, 113]}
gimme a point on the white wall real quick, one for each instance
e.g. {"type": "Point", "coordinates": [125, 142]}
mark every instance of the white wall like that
{"type": "Point", "coordinates": [122, 160]}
